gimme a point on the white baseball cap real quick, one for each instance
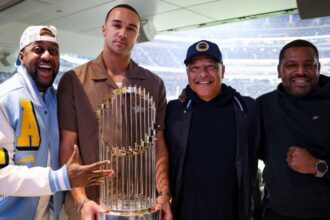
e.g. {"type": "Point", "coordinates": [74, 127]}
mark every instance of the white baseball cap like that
{"type": "Point", "coordinates": [32, 34]}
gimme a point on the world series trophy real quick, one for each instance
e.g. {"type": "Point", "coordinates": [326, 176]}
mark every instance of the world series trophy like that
{"type": "Point", "coordinates": [127, 138]}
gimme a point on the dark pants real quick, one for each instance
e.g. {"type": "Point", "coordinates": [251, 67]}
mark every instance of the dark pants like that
{"type": "Point", "coordinates": [271, 215]}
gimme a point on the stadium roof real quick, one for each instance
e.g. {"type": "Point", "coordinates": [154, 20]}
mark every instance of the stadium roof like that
{"type": "Point", "coordinates": [79, 21]}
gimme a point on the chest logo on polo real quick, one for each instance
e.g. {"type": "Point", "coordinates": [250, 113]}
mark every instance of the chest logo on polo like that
{"type": "Point", "coordinates": [29, 138]}
{"type": "Point", "coordinates": [315, 117]}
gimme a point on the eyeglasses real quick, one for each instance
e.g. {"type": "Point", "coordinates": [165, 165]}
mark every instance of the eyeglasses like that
{"type": "Point", "coordinates": [200, 69]}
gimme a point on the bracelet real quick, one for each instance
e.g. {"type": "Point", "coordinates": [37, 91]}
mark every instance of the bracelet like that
{"type": "Point", "coordinates": [164, 194]}
{"type": "Point", "coordinates": [81, 204]}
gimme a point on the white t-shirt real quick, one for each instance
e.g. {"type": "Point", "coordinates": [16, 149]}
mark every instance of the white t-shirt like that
{"type": "Point", "coordinates": [42, 212]}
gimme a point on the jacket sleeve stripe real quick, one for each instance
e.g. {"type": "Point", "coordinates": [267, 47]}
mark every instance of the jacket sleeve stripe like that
{"type": "Point", "coordinates": [59, 180]}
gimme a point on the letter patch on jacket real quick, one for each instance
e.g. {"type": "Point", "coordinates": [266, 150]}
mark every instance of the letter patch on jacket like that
{"type": "Point", "coordinates": [4, 157]}
{"type": "Point", "coordinates": [29, 138]}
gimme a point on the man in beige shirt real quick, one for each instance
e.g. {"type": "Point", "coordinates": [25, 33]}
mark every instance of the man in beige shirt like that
{"type": "Point", "coordinates": [82, 89]}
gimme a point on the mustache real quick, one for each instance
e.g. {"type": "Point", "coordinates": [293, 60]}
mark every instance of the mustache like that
{"type": "Point", "coordinates": [45, 63]}
{"type": "Point", "coordinates": [294, 76]}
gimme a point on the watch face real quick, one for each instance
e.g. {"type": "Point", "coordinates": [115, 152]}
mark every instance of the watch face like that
{"type": "Point", "coordinates": [322, 166]}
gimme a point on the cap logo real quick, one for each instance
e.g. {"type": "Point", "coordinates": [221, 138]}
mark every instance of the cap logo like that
{"type": "Point", "coordinates": [202, 46]}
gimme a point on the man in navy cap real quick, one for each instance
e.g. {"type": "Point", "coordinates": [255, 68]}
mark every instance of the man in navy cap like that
{"type": "Point", "coordinates": [212, 137]}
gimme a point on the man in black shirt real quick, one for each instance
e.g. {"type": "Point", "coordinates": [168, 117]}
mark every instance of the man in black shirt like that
{"type": "Point", "coordinates": [212, 138]}
{"type": "Point", "coordinates": [296, 140]}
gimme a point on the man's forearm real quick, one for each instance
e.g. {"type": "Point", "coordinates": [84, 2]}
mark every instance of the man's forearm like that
{"type": "Point", "coordinates": [78, 195]}
{"type": "Point", "coordinates": [162, 164]}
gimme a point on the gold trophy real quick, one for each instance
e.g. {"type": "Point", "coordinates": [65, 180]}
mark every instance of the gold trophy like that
{"type": "Point", "coordinates": [127, 138]}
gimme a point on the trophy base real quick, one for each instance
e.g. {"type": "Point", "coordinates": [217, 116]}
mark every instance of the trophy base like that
{"type": "Point", "coordinates": [143, 215]}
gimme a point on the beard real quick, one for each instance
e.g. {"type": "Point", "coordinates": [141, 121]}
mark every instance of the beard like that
{"type": "Point", "coordinates": [42, 83]}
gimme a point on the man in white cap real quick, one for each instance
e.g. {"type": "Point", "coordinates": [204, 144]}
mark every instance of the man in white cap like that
{"type": "Point", "coordinates": [31, 179]}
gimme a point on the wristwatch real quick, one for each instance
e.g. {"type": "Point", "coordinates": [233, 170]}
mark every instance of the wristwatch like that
{"type": "Point", "coordinates": [321, 168]}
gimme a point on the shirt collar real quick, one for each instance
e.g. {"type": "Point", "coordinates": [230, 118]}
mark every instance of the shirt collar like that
{"type": "Point", "coordinates": [99, 71]}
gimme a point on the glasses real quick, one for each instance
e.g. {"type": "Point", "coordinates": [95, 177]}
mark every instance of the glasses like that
{"type": "Point", "coordinates": [200, 69]}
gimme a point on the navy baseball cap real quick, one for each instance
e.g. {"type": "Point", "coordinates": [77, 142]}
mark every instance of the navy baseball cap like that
{"type": "Point", "coordinates": [206, 48]}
